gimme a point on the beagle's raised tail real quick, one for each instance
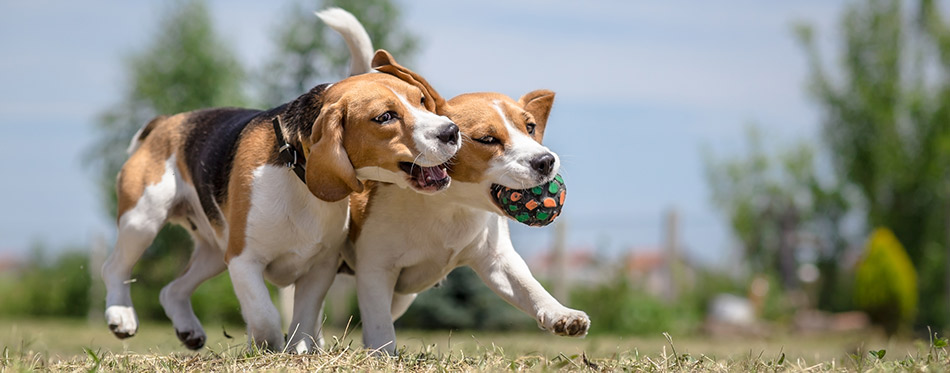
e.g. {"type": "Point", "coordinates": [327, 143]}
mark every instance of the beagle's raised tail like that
{"type": "Point", "coordinates": [361, 47]}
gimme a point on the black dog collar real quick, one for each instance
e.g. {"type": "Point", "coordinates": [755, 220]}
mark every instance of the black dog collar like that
{"type": "Point", "coordinates": [288, 154]}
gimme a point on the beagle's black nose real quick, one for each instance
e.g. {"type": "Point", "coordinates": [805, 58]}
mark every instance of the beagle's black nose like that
{"type": "Point", "coordinates": [449, 134]}
{"type": "Point", "coordinates": [543, 164]}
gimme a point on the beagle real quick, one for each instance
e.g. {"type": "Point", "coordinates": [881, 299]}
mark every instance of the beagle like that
{"type": "Point", "coordinates": [404, 242]}
{"type": "Point", "coordinates": [264, 194]}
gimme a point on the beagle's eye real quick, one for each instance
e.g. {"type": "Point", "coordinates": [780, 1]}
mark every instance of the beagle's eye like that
{"type": "Point", "coordinates": [530, 127]}
{"type": "Point", "coordinates": [488, 140]}
{"type": "Point", "coordinates": [386, 117]}
{"type": "Point", "coordinates": [422, 101]}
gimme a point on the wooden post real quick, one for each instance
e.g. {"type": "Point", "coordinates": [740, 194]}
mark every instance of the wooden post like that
{"type": "Point", "coordinates": [671, 246]}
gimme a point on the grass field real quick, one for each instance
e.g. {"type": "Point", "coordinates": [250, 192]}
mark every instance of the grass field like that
{"type": "Point", "coordinates": [70, 345]}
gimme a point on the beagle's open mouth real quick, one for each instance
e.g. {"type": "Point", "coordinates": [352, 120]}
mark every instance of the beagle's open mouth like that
{"type": "Point", "coordinates": [426, 179]}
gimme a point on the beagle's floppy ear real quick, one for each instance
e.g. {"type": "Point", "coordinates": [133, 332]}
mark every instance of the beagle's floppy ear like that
{"type": "Point", "coordinates": [330, 175]}
{"type": "Point", "coordinates": [384, 62]}
{"type": "Point", "coordinates": [538, 103]}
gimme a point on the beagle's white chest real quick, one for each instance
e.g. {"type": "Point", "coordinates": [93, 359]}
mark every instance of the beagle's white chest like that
{"type": "Point", "coordinates": [289, 228]}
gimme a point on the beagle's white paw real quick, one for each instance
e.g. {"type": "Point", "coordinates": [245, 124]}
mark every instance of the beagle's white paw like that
{"type": "Point", "coordinates": [306, 344]}
{"type": "Point", "coordinates": [122, 321]}
{"type": "Point", "coordinates": [564, 322]}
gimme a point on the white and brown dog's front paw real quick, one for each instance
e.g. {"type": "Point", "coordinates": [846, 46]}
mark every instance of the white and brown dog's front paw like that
{"type": "Point", "coordinates": [302, 343]}
{"type": "Point", "coordinates": [122, 321]}
{"type": "Point", "coordinates": [565, 322]}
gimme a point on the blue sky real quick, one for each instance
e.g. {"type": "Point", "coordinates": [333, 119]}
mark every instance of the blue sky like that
{"type": "Point", "coordinates": [642, 88]}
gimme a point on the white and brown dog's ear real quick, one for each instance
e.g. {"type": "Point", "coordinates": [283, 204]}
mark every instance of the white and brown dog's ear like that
{"type": "Point", "coordinates": [538, 103]}
{"type": "Point", "coordinates": [330, 175]}
{"type": "Point", "coordinates": [384, 62]}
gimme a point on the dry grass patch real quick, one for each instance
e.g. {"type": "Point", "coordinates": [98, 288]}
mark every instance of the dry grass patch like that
{"type": "Point", "coordinates": [77, 346]}
{"type": "Point", "coordinates": [344, 357]}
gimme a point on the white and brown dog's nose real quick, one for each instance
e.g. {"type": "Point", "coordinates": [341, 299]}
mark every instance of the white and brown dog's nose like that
{"type": "Point", "coordinates": [449, 134]}
{"type": "Point", "coordinates": [543, 164]}
{"type": "Point", "coordinates": [437, 138]}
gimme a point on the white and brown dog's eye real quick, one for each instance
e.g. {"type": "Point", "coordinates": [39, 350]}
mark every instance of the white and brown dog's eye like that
{"type": "Point", "coordinates": [530, 128]}
{"type": "Point", "coordinates": [422, 101]}
{"type": "Point", "coordinates": [489, 140]}
{"type": "Point", "coordinates": [386, 117]}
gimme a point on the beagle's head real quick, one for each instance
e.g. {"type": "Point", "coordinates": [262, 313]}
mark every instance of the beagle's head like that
{"type": "Point", "coordinates": [379, 127]}
{"type": "Point", "coordinates": [502, 139]}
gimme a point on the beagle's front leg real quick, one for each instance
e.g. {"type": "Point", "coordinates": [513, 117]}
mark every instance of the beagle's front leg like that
{"type": "Point", "coordinates": [374, 290]}
{"type": "Point", "coordinates": [506, 273]}
{"type": "Point", "coordinates": [306, 329]}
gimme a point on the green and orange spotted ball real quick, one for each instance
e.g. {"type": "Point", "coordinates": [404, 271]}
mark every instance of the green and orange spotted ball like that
{"type": "Point", "coordinates": [537, 206]}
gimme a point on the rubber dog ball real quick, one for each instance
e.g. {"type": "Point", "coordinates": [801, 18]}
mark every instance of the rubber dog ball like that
{"type": "Point", "coordinates": [537, 206]}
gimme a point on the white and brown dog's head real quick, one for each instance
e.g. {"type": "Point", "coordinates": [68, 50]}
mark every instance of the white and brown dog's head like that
{"type": "Point", "coordinates": [376, 127]}
{"type": "Point", "coordinates": [503, 139]}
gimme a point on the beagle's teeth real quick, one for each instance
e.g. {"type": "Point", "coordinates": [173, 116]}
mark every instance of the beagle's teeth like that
{"type": "Point", "coordinates": [431, 179]}
{"type": "Point", "coordinates": [434, 173]}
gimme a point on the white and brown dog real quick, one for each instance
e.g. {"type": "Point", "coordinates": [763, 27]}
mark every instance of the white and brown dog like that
{"type": "Point", "coordinates": [264, 194]}
{"type": "Point", "coordinates": [405, 242]}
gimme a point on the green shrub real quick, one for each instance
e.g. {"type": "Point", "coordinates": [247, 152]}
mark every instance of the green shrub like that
{"type": "Point", "coordinates": [463, 301]}
{"type": "Point", "coordinates": [617, 307]}
{"type": "Point", "coordinates": [48, 288]}
{"type": "Point", "coordinates": [886, 283]}
{"type": "Point", "coordinates": [59, 287]}
{"type": "Point", "coordinates": [215, 301]}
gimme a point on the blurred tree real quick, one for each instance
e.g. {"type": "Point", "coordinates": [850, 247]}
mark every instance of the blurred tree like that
{"type": "Point", "coordinates": [777, 204]}
{"type": "Point", "coordinates": [186, 67]}
{"type": "Point", "coordinates": [887, 123]}
{"type": "Point", "coordinates": [309, 53]}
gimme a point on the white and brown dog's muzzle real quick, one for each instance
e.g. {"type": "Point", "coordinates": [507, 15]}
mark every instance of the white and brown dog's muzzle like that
{"type": "Point", "coordinates": [437, 139]}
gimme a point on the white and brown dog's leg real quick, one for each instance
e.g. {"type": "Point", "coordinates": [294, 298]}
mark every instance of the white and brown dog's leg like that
{"type": "Point", "coordinates": [206, 262]}
{"type": "Point", "coordinates": [401, 303]}
{"type": "Point", "coordinates": [136, 229]}
{"type": "Point", "coordinates": [116, 272]}
{"type": "Point", "coordinates": [506, 273]}
{"type": "Point", "coordinates": [306, 327]}
{"type": "Point", "coordinates": [260, 314]}
{"type": "Point", "coordinates": [374, 290]}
